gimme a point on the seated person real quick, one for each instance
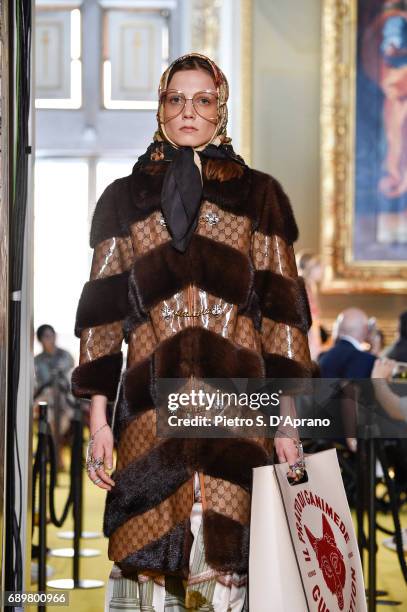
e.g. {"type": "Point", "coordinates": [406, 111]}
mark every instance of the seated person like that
{"type": "Point", "coordinates": [394, 405]}
{"type": "Point", "coordinates": [347, 359]}
{"type": "Point", "coordinates": [398, 350]}
{"type": "Point", "coordinates": [53, 367]}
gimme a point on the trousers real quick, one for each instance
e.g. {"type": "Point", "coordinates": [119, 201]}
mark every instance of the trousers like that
{"type": "Point", "coordinates": [205, 590]}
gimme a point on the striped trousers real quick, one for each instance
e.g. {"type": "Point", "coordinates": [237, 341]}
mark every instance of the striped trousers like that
{"type": "Point", "coordinates": [205, 590]}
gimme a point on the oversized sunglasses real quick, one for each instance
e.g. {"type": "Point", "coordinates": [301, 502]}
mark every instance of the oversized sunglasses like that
{"type": "Point", "coordinates": [205, 103]}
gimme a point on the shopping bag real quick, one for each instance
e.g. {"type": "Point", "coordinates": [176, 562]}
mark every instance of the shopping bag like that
{"type": "Point", "coordinates": [274, 580]}
{"type": "Point", "coordinates": [303, 548]}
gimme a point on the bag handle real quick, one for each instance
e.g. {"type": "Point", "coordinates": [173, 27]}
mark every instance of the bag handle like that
{"type": "Point", "coordinates": [276, 475]}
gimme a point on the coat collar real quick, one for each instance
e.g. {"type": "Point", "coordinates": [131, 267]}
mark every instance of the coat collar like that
{"type": "Point", "coordinates": [226, 183]}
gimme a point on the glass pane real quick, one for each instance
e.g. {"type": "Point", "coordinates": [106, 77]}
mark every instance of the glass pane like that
{"type": "Point", "coordinates": [109, 170]}
{"type": "Point", "coordinates": [61, 247]}
{"type": "Point", "coordinates": [135, 52]}
{"type": "Point", "coordinates": [58, 67]}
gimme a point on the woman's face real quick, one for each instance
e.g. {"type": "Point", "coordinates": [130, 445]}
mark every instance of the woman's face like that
{"type": "Point", "coordinates": [189, 128]}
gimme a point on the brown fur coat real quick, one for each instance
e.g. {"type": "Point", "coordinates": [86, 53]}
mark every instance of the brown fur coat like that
{"type": "Point", "coordinates": [240, 264]}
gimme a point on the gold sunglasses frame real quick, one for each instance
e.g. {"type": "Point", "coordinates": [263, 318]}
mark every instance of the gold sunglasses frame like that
{"type": "Point", "coordinates": [179, 91]}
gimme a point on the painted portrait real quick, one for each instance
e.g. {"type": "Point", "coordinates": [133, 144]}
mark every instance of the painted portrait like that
{"type": "Point", "coordinates": [380, 188]}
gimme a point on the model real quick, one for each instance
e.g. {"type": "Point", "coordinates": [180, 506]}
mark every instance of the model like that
{"type": "Point", "coordinates": [194, 267]}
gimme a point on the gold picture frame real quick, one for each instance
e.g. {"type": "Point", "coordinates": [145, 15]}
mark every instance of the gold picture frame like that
{"type": "Point", "coordinates": [343, 272]}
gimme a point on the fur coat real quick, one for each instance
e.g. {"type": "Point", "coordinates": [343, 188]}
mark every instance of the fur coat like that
{"type": "Point", "coordinates": [232, 305]}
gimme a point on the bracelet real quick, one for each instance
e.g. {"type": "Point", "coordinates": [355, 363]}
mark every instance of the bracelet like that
{"type": "Point", "coordinates": [299, 466]}
{"type": "Point", "coordinates": [91, 462]}
{"type": "Point", "coordinates": [94, 434]}
{"type": "Point", "coordinates": [280, 433]}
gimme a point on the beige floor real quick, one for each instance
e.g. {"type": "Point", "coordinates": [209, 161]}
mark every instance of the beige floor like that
{"type": "Point", "coordinates": [390, 578]}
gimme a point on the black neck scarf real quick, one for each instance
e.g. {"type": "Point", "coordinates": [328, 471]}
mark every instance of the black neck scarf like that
{"type": "Point", "coordinates": [181, 192]}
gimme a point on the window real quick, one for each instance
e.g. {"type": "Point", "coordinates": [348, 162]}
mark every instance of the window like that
{"type": "Point", "coordinates": [61, 235]}
{"type": "Point", "coordinates": [58, 66]}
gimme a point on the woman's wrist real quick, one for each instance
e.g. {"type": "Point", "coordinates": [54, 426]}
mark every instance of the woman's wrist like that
{"type": "Point", "coordinates": [99, 428]}
{"type": "Point", "coordinates": [97, 414]}
{"type": "Point", "coordinates": [287, 432]}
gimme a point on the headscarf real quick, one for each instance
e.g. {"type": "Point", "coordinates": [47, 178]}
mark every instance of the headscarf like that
{"type": "Point", "coordinates": [182, 186]}
{"type": "Point", "coordinates": [222, 89]}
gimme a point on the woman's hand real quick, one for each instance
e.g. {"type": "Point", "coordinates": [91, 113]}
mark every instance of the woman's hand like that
{"type": "Point", "coordinates": [287, 451]}
{"type": "Point", "coordinates": [286, 440]}
{"type": "Point", "coordinates": [102, 447]}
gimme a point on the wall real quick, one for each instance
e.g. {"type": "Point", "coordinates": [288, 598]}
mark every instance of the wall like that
{"type": "Point", "coordinates": [286, 132]}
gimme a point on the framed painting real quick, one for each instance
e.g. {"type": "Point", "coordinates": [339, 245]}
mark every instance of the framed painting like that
{"type": "Point", "coordinates": [364, 146]}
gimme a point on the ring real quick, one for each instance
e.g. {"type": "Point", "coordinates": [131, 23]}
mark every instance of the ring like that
{"type": "Point", "coordinates": [97, 481]}
{"type": "Point", "coordinates": [98, 462]}
{"type": "Point", "coordinates": [298, 468]}
{"type": "Point", "coordinates": [92, 463]}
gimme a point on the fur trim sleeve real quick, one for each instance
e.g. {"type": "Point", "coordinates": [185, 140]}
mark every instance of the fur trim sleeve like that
{"type": "Point", "coordinates": [274, 211]}
{"type": "Point", "coordinates": [98, 377]}
{"type": "Point", "coordinates": [102, 301]}
{"type": "Point", "coordinates": [283, 299]}
{"type": "Point", "coordinates": [280, 293]}
{"type": "Point", "coordinates": [106, 221]}
{"type": "Point", "coordinates": [103, 304]}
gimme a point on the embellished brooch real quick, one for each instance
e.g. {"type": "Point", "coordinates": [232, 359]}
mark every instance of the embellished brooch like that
{"type": "Point", "coordinates": [210, 217]}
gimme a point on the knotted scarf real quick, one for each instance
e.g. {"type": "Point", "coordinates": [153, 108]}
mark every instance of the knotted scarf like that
{"type": "Point", "coordinates": [181, 192]}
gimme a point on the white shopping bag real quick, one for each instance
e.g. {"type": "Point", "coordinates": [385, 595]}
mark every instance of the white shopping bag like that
{"type": "Point", "coordinates": [303, 548]}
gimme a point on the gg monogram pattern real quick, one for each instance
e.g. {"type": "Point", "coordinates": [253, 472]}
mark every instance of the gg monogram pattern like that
{"type": "Point", "coordinates": [227, 498]}
{"type": "Point", "coordinates": [246, 335]}
{"type": "Point", "coordinates": [273, 253]}
{"type": "Point", "coordinates": [137, 438]}
{"type": "Point", "coordinates": [100, 340]}
{"type": "Point", "coordinates": [224, 227]}
{"type": "Point", "coordinates": [284, 340]}
{"type": "Point", "coordinates": [142, 342]}
{"type": "Point", "coordinates": [213, 222]}
{"type": "Point", "coordinates": [111, 256]}
{"type": "Point", "coordinates": [151, 525]}
{"type": "Point", "coordinates": [149, 233]}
